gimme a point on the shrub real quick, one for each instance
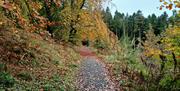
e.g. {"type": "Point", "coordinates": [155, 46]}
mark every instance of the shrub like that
{"type": "Point", "coordinates": [6, 80]}
{"type": "Point", "coordinates": [99, 44]}
{"type": "Point", "coordinates": [25, 76]}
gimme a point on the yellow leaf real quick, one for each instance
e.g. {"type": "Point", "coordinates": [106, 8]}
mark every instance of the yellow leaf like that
{"type": "Point", "coordinates": [165, 3]}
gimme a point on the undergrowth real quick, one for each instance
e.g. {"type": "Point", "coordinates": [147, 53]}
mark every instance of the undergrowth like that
{"type": "Point", "coordinates": [30, 62]}
{"type": "Point", "coordinates": [129, 71]}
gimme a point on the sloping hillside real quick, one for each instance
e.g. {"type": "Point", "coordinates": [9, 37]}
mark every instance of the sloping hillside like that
{"type": "Point", "coordinates": [30, 61]}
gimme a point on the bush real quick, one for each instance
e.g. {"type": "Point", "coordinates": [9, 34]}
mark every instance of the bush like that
{"type": "Point", "coordinates": [25, 76]}
{"type": "Point", "coordinates": [6, 80]}
{"type": "Point", "coordinates": [99, 44]}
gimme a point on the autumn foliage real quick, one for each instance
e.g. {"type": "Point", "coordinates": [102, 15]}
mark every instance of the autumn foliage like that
{"type": "Point", "coordinates": [41, 37]}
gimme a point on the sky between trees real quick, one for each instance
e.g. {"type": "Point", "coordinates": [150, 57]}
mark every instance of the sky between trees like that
{"type": "Point", "coordinates": [147, 7]}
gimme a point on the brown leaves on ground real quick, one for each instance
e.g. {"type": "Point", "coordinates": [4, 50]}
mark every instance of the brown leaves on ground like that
{"type": "Point", "coordinates": [123, 76]}
{"type": "Point", "coordinates": [36, 54]}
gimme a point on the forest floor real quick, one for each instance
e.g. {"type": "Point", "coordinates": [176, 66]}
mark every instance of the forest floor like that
{"type": "Point", "coordinates": [93, 75]}
{"type": "Point", "coordinates": [29, 62]}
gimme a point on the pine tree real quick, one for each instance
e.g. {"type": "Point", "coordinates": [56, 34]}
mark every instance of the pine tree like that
{"type": "Point", "coordinates": [108, 17]}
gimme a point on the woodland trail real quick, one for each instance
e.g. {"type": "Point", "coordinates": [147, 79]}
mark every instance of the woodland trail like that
{"type": "Point", "coordinates": [93, 74]}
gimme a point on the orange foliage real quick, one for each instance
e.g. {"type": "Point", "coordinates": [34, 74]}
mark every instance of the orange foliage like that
{"type": "Point", "coordinates": [169, 4]}
{"type": "Point", "coordinates": [95, 28]}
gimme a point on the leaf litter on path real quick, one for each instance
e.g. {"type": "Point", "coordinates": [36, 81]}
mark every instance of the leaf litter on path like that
{"type": "Point", "coordinates": [92, 74]}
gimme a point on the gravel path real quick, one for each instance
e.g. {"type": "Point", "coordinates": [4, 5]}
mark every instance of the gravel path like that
{"type": "Point", "coordinates": [93, 76]}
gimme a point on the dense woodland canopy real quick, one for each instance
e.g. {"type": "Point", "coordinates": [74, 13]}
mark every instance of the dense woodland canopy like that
{"type": "Point", "coordinates": [41, 36]}
{"type": "Point", "coordinates": [156, 37]}
{"type": "Point", "coordinates": [63, 19]}
{"type": "Point", "coordinates": [135, 25]}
